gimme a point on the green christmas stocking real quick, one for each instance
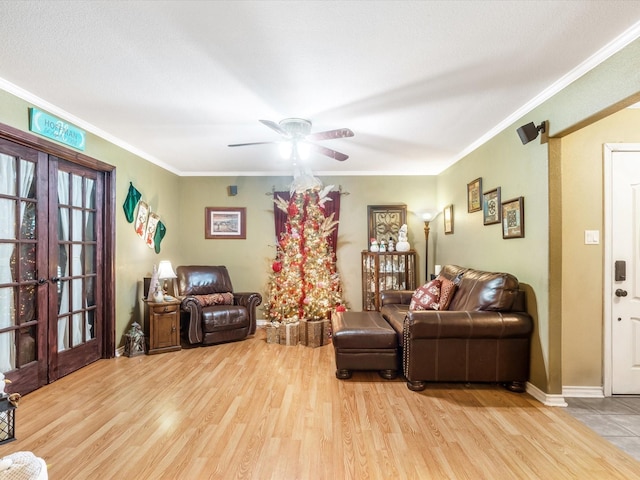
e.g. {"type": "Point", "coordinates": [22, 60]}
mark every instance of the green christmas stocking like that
{"type": "Point", "coordinates": [161, 230]}
{"type": "Point", "coordinates": [133, 197]}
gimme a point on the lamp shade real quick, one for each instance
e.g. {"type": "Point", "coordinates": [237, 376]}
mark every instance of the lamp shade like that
{"type": "Point", "coordinates": [165, 270]}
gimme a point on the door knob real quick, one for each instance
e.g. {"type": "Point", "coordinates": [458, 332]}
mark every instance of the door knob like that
{"type": "Point", "coordinates": [621, 293]}
{"type": "Point", "coordinates": [55, 279]}
{"type": "Point", "coordinates": [42, 281]}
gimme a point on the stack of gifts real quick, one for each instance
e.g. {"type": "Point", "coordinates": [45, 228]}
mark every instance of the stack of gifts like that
{"type": "Point", "coordinates": [285, 333]}
{"type": "Point", "coordinates": [311, 333]}
{"type": "Point", "coordinates": [289, 333]}
{"type": "Point", "coordinates": [273, 332]}
{"type": "Point", "coordinates": [315, 333]}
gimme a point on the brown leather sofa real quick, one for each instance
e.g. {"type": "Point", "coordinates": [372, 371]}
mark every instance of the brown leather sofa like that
{"type": "Point", "coordinates": [207, 318]}
{"type": "Point", "coordinates": [484, 336]}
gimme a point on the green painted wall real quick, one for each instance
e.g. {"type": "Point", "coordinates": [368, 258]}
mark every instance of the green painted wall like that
{"type": "Point", "coordinates": [535, 172]}
{"type": "Point", "coordinates": [519, 171]}
{"type": "Point", "coordinates": [249, 260]}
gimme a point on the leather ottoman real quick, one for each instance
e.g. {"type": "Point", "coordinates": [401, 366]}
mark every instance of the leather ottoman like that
{"type": "Point", "coordinates": [364, 341]}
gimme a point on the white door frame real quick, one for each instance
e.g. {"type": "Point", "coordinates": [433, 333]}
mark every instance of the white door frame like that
{"type": "Point", "coordinates": [609, 150]}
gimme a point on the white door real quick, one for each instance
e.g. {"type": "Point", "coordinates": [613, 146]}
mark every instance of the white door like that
{"type": "Point", "coordinates": [623, 267]}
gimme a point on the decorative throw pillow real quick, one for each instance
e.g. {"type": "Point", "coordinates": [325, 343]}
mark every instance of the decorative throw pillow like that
{"type": "Point", "coordinates": [447, 289]}
{"type": "Point", "coordinates": [215, 299]}
{"type": "Point", "coordinates": [427, 297]}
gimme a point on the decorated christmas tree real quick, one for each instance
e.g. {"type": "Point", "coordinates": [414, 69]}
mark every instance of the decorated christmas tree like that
{"type": "Point", "coordinates": [304, 282]}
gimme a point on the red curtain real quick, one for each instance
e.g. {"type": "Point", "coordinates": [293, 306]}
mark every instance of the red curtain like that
{"type": "Point", "coordinates": [279, 216]}
{"type": "Point", "coordinates": [333, 207]}
{"type": "Point", "coordinates": [330, 207]}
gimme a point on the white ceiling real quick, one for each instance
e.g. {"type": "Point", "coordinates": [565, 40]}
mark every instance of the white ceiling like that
{"type": "Point", "coordinates": [420, 83]}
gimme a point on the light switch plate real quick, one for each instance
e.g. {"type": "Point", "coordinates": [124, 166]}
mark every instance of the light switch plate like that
{"type": "Point", "coordinates": [591, 237]}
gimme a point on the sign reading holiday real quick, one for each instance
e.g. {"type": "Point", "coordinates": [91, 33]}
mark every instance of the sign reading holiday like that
{"type": "Point", "coordinates": [56, 129]}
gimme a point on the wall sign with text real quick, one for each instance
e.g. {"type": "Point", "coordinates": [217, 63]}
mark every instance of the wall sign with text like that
{"type": "Point", "coordinates": [56, 129]}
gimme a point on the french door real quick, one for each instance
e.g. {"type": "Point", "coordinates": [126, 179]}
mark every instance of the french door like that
{"type": "Point", "coordinates": [75, 322]}
{"type": "Point", "coordinates": [52, 271]}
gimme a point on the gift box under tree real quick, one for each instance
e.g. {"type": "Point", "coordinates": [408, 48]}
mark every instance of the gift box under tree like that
{"type": "Point", "coordinates": [315, 333]}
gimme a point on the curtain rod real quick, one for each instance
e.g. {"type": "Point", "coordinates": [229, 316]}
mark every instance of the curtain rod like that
{"type": "Point", "coordinates": [273, 190]}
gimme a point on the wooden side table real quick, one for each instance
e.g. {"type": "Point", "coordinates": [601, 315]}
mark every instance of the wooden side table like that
{"type": "Point", "coordinates": [162, 324]}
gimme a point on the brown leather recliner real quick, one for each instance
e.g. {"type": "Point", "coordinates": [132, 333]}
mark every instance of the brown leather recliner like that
{"type": "Point", "coordinates": [206, 321]}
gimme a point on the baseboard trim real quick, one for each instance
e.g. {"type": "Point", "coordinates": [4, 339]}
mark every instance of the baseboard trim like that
{"type": "Point", "coordinates": [119, 351]}
{"type": "Point", "coordinates": [550, 400]}
{"type": "Point", "coordinates": [583, 392]}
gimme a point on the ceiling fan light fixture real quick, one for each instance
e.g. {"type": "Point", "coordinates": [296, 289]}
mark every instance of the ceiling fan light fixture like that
{"type": "Point", "coordinates": [285, 149]}
{"type": "Point", "coordinates": [297, 133]}
{"type": "Point", "coordinates": [303, 149]}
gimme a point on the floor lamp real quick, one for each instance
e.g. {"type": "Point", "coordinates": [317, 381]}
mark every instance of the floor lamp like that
{"type": "Point", "coordinates": [427, 218]}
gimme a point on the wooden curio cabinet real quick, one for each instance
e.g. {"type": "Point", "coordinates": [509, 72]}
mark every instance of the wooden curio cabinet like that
{"type": "Point", "coordinates": [386, 271]}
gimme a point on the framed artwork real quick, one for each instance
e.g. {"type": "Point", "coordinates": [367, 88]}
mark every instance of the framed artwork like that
{"type": "Point", "coordinates": [513, 218]}
{"type": "Point", "coordinates": [384, 221]}
{"type": "Point", "coordinates": [225, 222]}
{"type": "Point", "coordinates": [448, 219]}
{"type": "Point", "coordinates": [491, 206]}
{"type": "Point", "coordinates": [474, 195]}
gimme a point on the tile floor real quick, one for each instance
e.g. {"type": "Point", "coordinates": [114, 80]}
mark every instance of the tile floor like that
{"type": "Point", "coordinates": [615, 418]}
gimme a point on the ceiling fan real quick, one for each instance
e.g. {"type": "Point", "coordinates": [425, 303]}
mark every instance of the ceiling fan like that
{"type": "Point", "coordinates": [298, 136]}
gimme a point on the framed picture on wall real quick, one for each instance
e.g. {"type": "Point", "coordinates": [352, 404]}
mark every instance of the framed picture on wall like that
{"type": "Point", "coordinates": [491, 206]}
{"type": "Point", "coordinates": [384, 221]}
{"type": "Point", "coordinates": [474, 196]}
{"type": "Point", "coordinates": [448, 219]}
{"type": "Point", "coordinates": [513, 218]}
{"type": "Point", "coordinates": [225, 222]}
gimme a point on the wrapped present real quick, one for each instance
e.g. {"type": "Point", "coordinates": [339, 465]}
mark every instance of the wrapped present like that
{"type": "Point", "coordinates": [289, 333]}
{"type": "Point", "coordinates": [318, 332]}
{"type": "Point", "coordinates": [302, 337]}
{"type": "Point", "coordinates": [273, 332]}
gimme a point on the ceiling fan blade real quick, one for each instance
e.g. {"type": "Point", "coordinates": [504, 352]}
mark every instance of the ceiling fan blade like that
{"type": "Point", "coordinates": [252, 143]}
{"type": "Point", "coordinates": [329, 153]}
{"type": "Point", "coordinates": [330, 134]}
{"type": "Point", "coordinates": [274, 126]}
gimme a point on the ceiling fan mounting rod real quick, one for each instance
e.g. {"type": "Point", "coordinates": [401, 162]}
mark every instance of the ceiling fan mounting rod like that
{"type": "Point", "coordinates": [298, 128]}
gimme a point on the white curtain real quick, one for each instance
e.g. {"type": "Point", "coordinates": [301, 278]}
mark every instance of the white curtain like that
{"type": "Point", "coordinates": [63, 199]}
{"type": "Point", "coordinates": [71, 231]}
{"type": "Point", "coordinates": [76, 259]}
{"type": "Point", "coordinates": [89, 224]}
{"type": "Point", "coordinates": [9, 231]}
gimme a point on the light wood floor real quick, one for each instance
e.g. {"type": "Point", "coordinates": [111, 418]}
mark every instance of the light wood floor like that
{"type": "Point", "coordinates": [253, 410]}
